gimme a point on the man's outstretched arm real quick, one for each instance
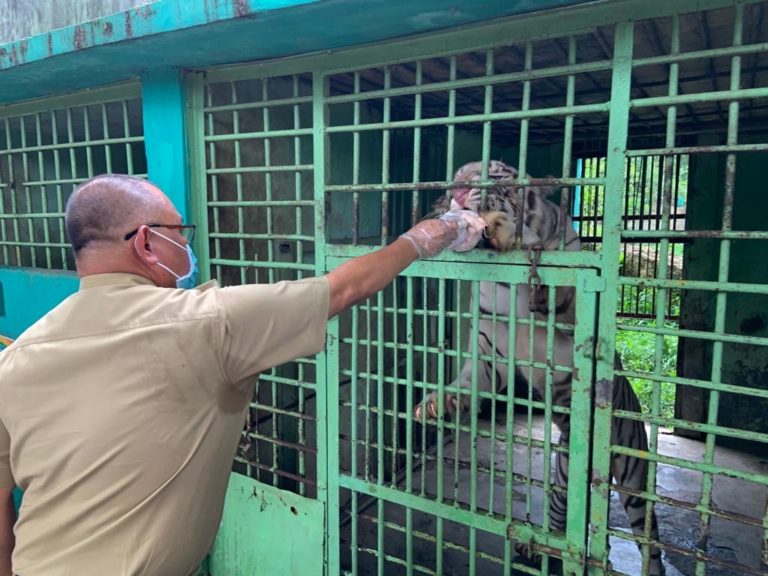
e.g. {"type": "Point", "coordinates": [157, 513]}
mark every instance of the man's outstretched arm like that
{"type": "Point", "coordinates": [362, 277]}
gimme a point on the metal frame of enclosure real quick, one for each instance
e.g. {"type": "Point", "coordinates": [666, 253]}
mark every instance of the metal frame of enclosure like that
{"type": "Point", "coordinates": [648, 118]}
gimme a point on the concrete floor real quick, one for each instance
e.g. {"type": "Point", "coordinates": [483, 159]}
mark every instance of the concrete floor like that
{"type": "Point", "coordinates": [728, 541]}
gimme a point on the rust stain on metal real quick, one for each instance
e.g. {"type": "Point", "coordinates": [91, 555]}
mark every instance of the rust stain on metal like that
{"type": "Point", "coordinates": [128, 25]}
{"type": "Point", "coordinates": [79, 38]}
{"type": "Point", "coordinates": [108, 29]}
{"type": "Point", "coordinates": [3, 52]}
{"type": "Point", "coordinates": [50, 44]}
{"type": "Point", "coordinates": [23, 45]}
{"type": "Point", "coordinates": [603, 393]}
{"type": "Point", "coordinates": [145, 12]}
{"type": "Point", "coordinates": [241, 8]}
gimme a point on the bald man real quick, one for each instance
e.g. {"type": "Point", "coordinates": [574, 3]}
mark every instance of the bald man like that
{"type": "Point", "coordinates": [121, 409]}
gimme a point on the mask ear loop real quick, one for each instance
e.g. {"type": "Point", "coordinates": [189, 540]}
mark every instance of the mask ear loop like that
{"type": "Point", "coordinates": [163, 266]}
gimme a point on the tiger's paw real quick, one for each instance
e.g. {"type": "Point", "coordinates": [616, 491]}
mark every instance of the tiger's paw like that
{"type": "Point", "coordinates": [429, 409]}
{"type": "Point", "coordinates": [500, 231]}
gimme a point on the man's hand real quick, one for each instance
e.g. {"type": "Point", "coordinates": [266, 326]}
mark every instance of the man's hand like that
{"type": "Point", "coordinates": [7, 519]}
{"type": "Point", "coordinates": [430, 237]}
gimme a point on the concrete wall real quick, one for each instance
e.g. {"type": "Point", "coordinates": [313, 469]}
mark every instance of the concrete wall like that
{"type": "Point", "coordinates": [23, 18]}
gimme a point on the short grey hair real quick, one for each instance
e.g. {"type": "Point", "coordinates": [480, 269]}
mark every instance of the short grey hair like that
{"type": "Point", "coordinates": [106, 206]}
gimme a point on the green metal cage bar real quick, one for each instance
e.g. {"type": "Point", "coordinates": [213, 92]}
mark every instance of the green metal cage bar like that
{"type": "Point", "coordinates": [47, 147]}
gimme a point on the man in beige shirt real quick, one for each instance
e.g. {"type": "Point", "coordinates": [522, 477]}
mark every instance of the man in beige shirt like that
{"type": "Point", "coordinates": [120, 410]}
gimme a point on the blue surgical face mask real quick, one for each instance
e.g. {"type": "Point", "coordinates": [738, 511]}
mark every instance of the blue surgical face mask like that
{"type": "Point", "coordinates": [188, 280]}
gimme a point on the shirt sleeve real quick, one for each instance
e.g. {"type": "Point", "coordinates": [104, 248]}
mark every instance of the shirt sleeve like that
{"type": "Point", "coordinates": [266, 325]}
{"type": "Point", "coordinates": [6, 478]}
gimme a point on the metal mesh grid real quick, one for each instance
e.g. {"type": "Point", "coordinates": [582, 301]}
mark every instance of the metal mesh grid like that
{"type": "Point", "coordinates": [410, 125]}
{"type": "Point", "coordinates": [46, 149]}
{"type": "Point", "coordinates": [260, 217]}
{"type": "Point", "coordinates": [492, 466]}
{"type": "Point", "coordinates": [387, 139]}
{"type": "Point", "coordinates": [715, 375]}
{"type": "Point", "coordinates": [395, 136]}
{"type": "Point", "coordinates": [641, 210]}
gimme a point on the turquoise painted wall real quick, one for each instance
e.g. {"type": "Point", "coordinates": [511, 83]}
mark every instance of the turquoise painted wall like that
{"type": "Point", "coordinates": [28, 294]}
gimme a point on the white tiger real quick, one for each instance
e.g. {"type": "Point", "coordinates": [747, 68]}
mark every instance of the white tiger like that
{"type": "Point", "coordinates": [542, 227]}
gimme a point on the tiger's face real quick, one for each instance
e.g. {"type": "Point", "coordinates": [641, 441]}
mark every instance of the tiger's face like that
{"type": "Point", "coordinates": [467, 197]}
{"type": "Point", "coordinates": [516, 215]}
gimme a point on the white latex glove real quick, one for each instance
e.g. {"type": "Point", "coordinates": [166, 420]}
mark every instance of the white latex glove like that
{"type": "Point", "coordinates": [430, 237]}
{"type": "Point", "coordinates": [471, 228]}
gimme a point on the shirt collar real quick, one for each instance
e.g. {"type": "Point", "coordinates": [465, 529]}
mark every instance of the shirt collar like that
{"type": "Point", "coordinates": [113, 279]}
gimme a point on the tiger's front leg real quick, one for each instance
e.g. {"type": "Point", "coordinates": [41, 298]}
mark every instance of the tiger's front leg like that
{"type": "Point", "coordinates": [487, 375]}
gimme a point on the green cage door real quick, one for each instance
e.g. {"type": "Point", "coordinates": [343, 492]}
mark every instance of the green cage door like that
{"type": "Point", "coordinates": [415, 495]}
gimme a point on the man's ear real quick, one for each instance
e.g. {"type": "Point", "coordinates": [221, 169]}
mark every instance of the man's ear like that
{"type": "Point", "coordinates": [143, 245]}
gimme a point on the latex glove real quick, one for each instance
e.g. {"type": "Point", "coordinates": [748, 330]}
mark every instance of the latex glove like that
{"type": "Point", "coordinates": [471, 229]}
{"type": "Point", "coordinates": [430, 237]}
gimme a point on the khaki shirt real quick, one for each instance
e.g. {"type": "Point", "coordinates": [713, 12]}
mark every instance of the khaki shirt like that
{"type": "Point", "coordinates": [120, 412]}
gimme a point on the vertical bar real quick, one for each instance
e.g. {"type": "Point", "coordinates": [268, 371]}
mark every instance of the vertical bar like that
{"type": "Point", "coordinates": [510, 428]}
{"type": "Point", "coordinates": [494, 391]}
{"type": "Point", "coordinates": [298, 230]}
{"type": "Point", "coordinates": [416, 146]}
{"type": "Point", "coordinates": [127, 132]}
{"type": "Point", "coordinates": [239, 189]}
{"type": "Point", "coordinates": [460, 359]}
{"type": "Point", "coordinates": [60, 205]}
{"type": "Point", "coordinates": [268, 179]}
{"type": "Point", "coordinates": [354, 368]}
{"type": "Point", "coordinates": [409, 376]}
{"type": "Point", "coordinates": [214, 179]}
{"type": "Point", "coordinates": [662, 272]}
{"type": "Point", "coordinates": [487, 110]}
{"type": "Point", "coordinates": [88, 148]}
{"type": "Point", "coordinates": [474, 406]}
{"type": "Point", "coordinates": [721, 298]}
{"type": "Point", "coordinates": [27, 195]}
{"type": "Point", "coordinates": [356, 164]}
{"type": "Point", "coordinates": [3, 212]}
{"type": "Point", "coordinates": [327, 362]}
{"type": "Point", "coordinates": [567, 140]}
{"type": "Point", "coordinates": [395, 383]}
{"type": "Point", "coordinates": [580, 437]}
{"type": "Point", "coordinates": [43, 192]}
{"type": "Point", "coordinates": [107, 146]}
{"type": "Point", "coordinates": [522, 163]}
{"type": "Point", "coordinates": [449, 155]}
{"type": "Point", "coordinates": [441, 337]}
{"type": "Point", "coordinates": [548, 402]}
{"type": "Point", "coordinates": [380, 430]}
{"type": "Point", "coordinates": [424, 371]}
{"type": "Point", "coordinates": [195, 123]}
{"type": "Point", "coordinates": [618, 126]}
{"type": "Point", "coordinates": [385, 172]}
